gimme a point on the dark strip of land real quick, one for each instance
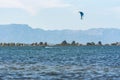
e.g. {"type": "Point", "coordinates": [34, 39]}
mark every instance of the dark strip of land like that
{"type": "Point", "coordinates": [63, 43]}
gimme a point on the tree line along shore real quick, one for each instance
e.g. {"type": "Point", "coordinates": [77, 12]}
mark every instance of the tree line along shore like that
{"type": "Point", "coordinates": [63, 43]}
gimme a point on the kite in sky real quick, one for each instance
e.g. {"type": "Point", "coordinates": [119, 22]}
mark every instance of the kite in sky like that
{"type": "Point", "coordinates": [81, 14]}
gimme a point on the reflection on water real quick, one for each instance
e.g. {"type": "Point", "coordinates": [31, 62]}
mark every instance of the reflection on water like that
{"type": "Point", "coordinates": [60, 63]}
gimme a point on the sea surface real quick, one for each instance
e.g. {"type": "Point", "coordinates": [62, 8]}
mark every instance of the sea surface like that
{"type": "Point", "coordinates": [60, 63]}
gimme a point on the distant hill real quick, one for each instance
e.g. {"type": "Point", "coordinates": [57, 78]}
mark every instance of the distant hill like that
{"type": "Point", "coordinates": [24, 33]}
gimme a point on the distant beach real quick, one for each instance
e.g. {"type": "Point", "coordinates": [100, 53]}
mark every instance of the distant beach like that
{"type": "Point", "coordinates": [63, 43]}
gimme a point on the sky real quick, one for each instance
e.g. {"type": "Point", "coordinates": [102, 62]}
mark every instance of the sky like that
{"type": "Point", "coordinates": [61, 14]}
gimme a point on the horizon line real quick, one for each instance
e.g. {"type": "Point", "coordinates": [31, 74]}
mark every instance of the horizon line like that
{"type": "Point", "coordinates": [58, 29]}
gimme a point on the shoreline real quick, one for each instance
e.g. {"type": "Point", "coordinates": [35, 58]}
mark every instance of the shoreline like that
{"type": "Point", "coordinates": [63, 43]}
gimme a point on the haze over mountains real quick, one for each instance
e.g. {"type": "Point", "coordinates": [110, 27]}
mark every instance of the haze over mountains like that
{"type": "Point", "coordinates": [25, 34]}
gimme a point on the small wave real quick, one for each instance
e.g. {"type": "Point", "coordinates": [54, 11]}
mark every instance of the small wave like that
{"type": "Point", "coordinates": [48, 47]}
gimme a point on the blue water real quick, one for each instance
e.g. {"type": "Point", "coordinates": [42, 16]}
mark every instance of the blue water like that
{"type": "Point", "coordinates": [60, 63]}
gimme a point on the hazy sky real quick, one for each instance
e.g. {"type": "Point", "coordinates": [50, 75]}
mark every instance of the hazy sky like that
{"type": "Point", "coordinates": [61, 14]}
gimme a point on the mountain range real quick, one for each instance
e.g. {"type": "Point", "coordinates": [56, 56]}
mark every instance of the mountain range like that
{"type": "Point", "coordinates": [25, 34]}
